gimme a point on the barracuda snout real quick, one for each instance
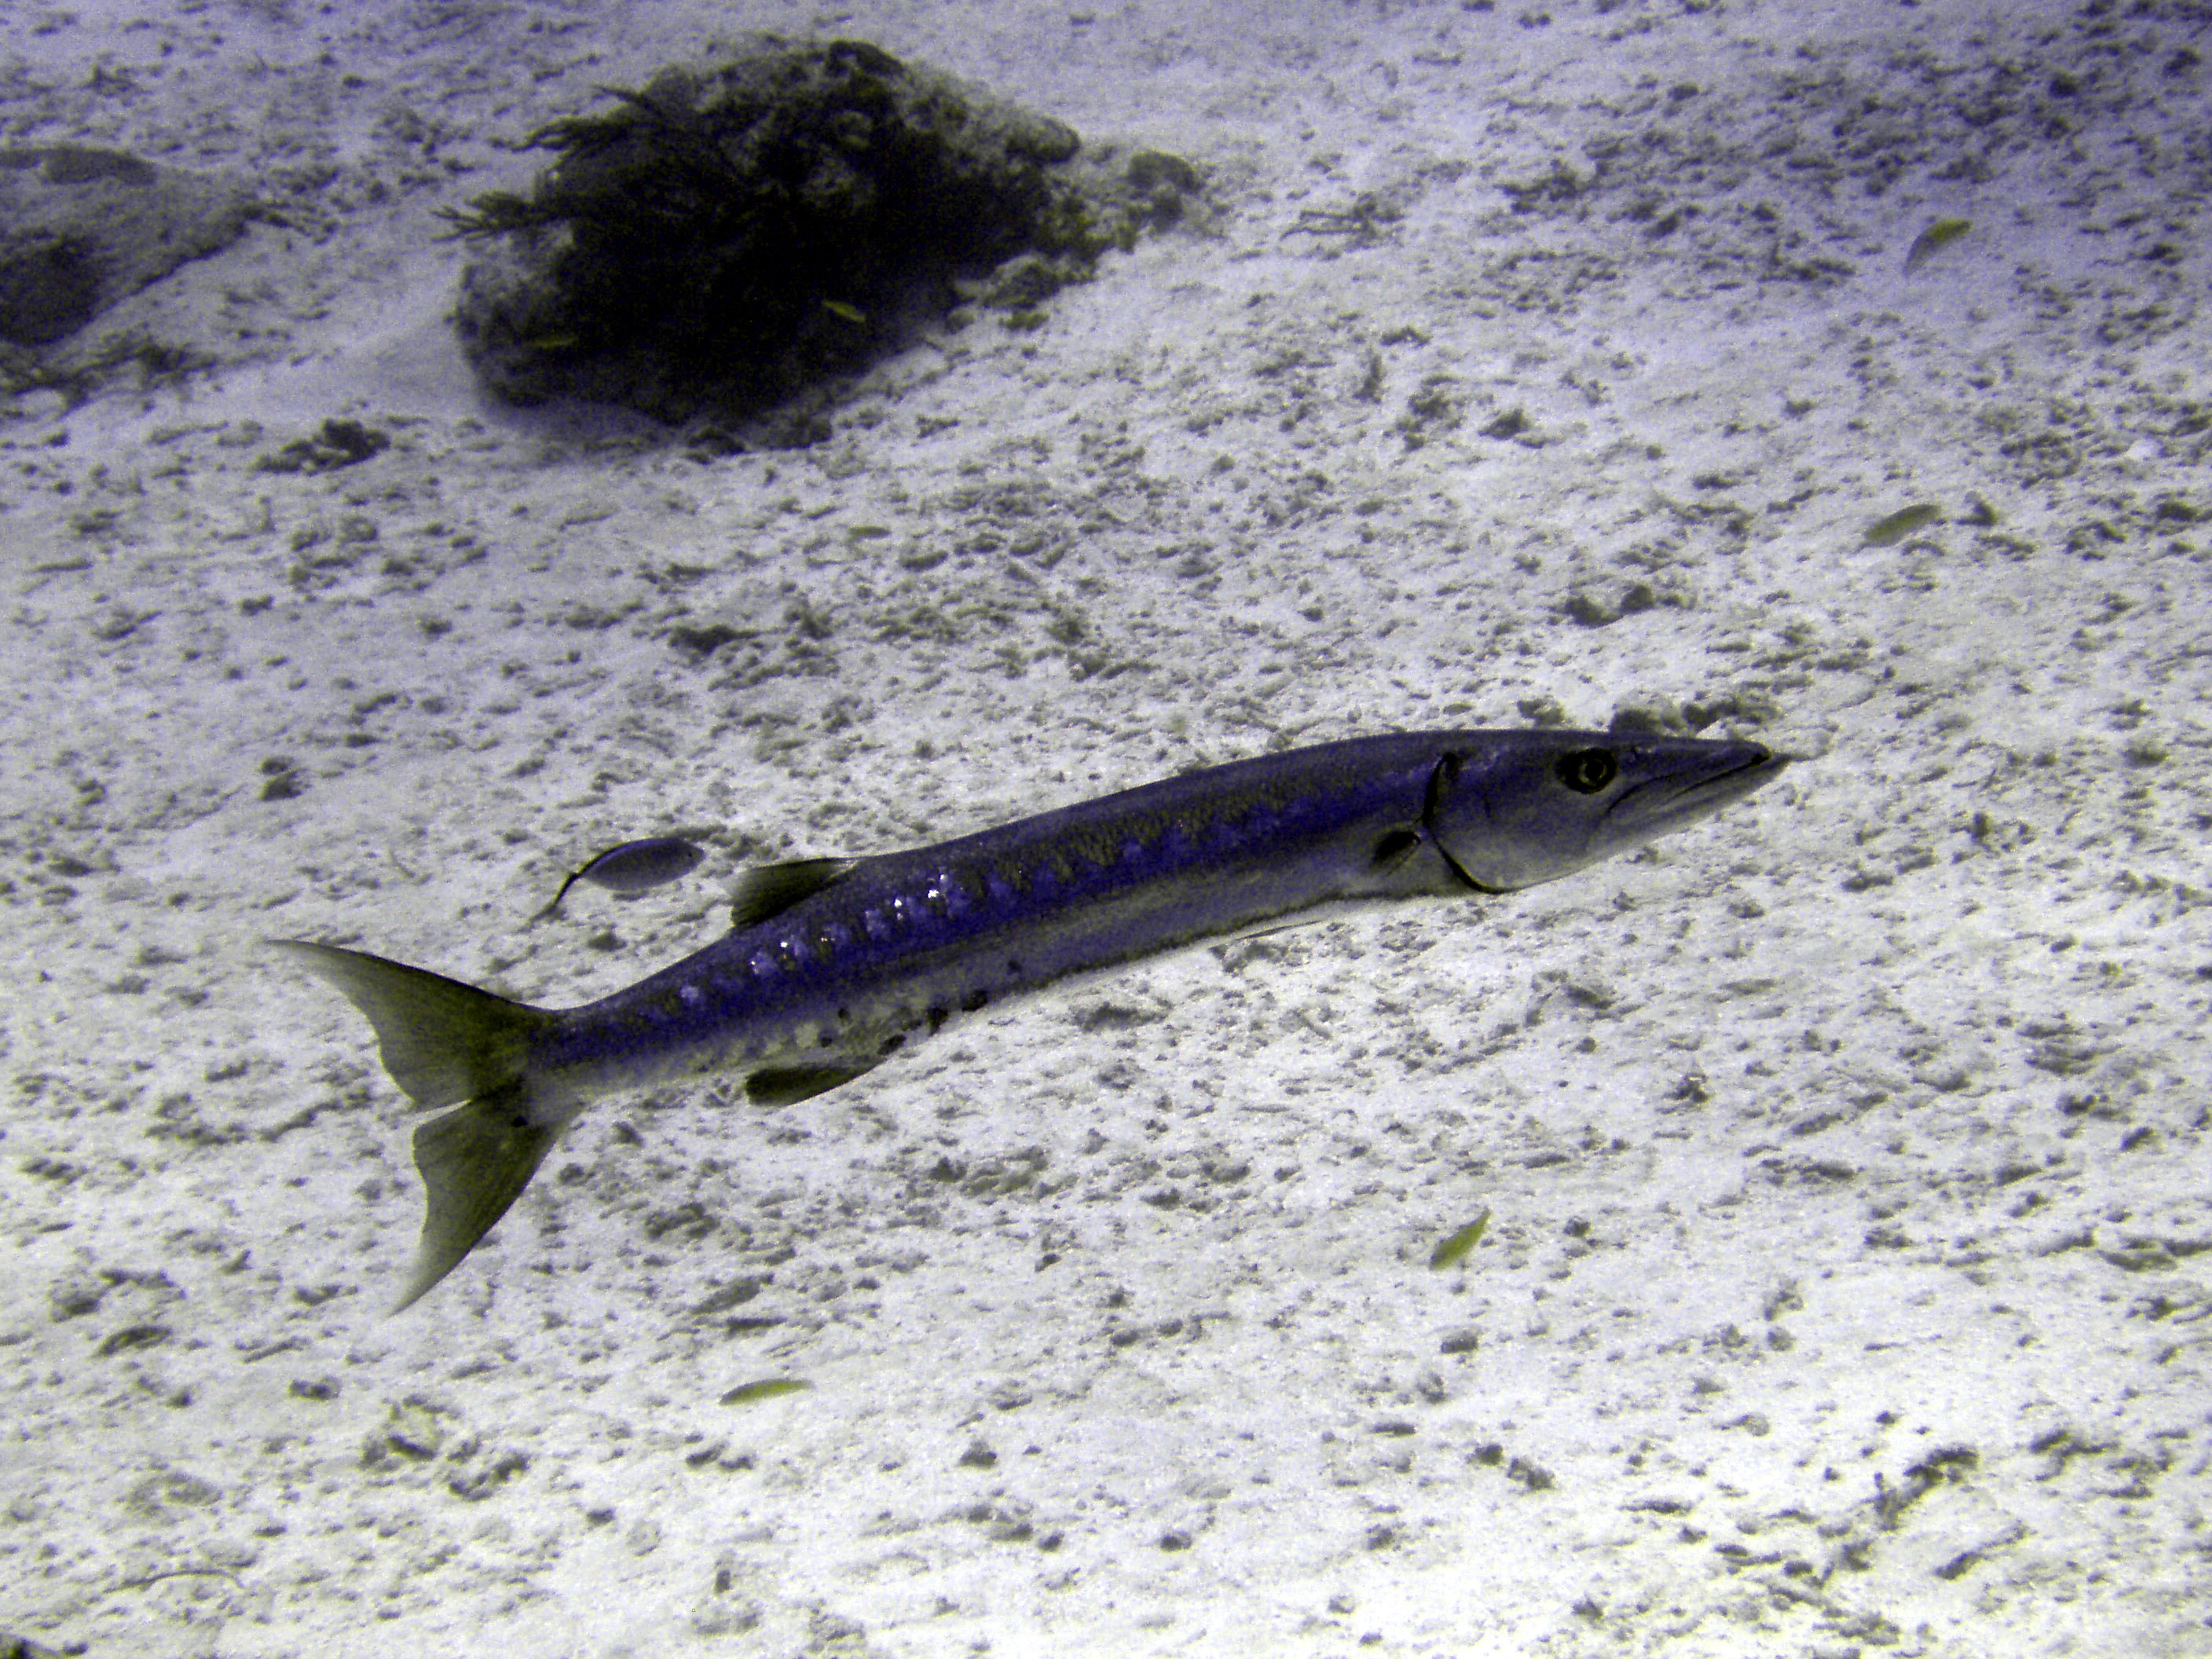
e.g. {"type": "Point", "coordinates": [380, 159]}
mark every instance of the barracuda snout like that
{"type": "Point", "coordinates": [1511, 815]}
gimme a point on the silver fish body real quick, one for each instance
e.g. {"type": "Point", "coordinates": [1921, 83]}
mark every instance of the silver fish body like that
{"type": "Point", "coordinates": [634, 866]}
{"type": "Point", "coordinates": [834, 964]}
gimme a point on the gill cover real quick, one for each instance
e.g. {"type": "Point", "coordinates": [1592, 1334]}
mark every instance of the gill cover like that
{"type": "Point", "coordinates": [1512, 814]}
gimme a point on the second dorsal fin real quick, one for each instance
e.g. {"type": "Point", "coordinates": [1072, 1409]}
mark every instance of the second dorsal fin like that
{"type": "Point", "coordinates": [773, 888]}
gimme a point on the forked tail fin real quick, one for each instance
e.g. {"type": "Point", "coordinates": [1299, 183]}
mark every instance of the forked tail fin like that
{"type": "Point", "coordinates": [444, 1042]}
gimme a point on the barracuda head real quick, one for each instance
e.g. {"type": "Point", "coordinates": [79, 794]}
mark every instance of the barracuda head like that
{"type": "Point", "coordinates": [1513, 809]}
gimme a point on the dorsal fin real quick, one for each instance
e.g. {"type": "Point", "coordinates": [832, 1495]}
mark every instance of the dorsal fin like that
{"type": "Point", "coordinates": [774, 888]}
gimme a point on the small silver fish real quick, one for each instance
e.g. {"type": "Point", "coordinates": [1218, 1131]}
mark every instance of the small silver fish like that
{"type": "Point", "coordinates": [633, 867]}
{"type": "Point", "coordinates": [835, 964]}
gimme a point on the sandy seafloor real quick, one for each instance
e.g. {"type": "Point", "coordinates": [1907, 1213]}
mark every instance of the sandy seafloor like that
{"type": "Point", "coordinates": [1847, 1285]}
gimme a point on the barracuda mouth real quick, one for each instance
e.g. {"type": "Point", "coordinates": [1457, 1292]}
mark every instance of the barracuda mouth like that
{"type": "Point", "coordinates": [1740, 779]}
{"type": "Point", "coordinates": [1663, 803]}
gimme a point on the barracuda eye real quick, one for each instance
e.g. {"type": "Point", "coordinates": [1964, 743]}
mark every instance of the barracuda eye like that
{"type": "Point", "coordinates": [1586, 771]}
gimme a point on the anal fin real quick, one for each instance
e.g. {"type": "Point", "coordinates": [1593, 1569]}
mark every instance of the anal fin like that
{"type": "Point", "coordinates": [786, 1086]}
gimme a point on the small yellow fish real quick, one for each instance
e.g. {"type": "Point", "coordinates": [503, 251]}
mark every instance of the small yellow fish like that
{"type": "Point", "coordinates": [1937, 237]}
{"type": "Point", "coordinates": [767, 1388]}
{"type": "Point", "coordinates": [849, 314]}
{"type": "Point", "coordinates": [1456, 1248]}
{"type": "Point", "coordinates": [1900, 524]}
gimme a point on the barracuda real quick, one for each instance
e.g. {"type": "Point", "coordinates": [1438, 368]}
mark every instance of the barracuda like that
{"type": "Point", "coordinates": [833, 964]}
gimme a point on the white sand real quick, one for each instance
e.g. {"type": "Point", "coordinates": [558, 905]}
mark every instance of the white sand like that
{"type": "Point", "coordinates": [1845, 1289]}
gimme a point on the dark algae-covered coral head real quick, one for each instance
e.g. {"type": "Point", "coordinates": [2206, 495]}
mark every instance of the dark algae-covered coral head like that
{"type": "Point", "coordinates": [740, 231]}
